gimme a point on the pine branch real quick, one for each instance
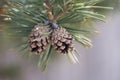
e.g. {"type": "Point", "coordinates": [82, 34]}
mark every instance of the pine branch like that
{"type": "Point", "coordinates": [67, 8]}
{"type": "Point", "coordinates": [71, 16]}
{"type": "Point", "coordinates": [49, 10]}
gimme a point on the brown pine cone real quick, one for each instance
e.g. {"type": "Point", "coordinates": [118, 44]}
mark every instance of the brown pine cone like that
{"type": "Point", "coordinates": [38, 38]}
{"type": "Point", "coordinates": [62, 41]}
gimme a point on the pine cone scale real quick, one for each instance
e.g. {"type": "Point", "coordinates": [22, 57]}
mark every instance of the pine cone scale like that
{"type": "Point", "coordinates": [37, 39]}
{"type": "Point", "coordinates": [61, 40]}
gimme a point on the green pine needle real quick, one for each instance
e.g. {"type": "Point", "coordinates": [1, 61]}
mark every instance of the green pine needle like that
{"type": "Point", "coordinates": [24, 15]}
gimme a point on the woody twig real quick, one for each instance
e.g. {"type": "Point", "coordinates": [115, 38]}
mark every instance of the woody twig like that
{"type": "Point", "coordinates": [67, 8]}
{"type": "Point", "coordinates": [49, 10]}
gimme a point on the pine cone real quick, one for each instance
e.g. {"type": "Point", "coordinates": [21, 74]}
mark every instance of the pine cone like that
{"type": "Point", "coordinates": [38, 39]}
{"type": "Point", "coordinates": [62, 41]}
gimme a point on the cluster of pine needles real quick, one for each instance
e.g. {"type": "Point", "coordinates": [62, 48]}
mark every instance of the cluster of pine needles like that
{"type": "Point", "coordinates": [73, 15]}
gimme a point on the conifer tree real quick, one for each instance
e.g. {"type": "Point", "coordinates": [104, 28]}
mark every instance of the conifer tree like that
{"type": "Point", "coordinates": [47, 27]}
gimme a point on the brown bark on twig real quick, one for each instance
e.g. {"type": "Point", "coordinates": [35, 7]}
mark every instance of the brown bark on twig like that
{"type": "Point", "coordinates": [67, 8]}
{"type": "Point", "coordinates": [50, 14]}
{"type": "Point", "coordinates": [49, 10]}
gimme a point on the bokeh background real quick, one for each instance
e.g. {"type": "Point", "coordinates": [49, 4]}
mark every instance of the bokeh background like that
{"type": "Point", "coordinates": [102, 62]}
